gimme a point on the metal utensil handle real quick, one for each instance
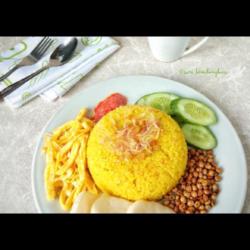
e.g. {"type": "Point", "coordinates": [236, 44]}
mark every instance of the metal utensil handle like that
{"type": "Point", "coordinates": [18, 84]}
{"type": "Point", "coordinates": [8, 73]}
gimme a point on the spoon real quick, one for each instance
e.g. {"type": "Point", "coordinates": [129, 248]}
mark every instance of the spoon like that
{"type": "Point", "coordinates": [62, 54]}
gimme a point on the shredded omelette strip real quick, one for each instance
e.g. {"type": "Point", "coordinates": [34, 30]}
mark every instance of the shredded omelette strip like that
{"type": "Point", "coordinates": [66, 174]}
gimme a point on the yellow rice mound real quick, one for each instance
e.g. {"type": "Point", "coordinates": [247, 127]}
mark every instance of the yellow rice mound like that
{"type": "Point", "coordinates": [146, 175]}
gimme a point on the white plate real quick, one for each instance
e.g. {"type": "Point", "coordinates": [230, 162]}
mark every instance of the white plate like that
{"type": "Point", "coordinates": [229, 152]}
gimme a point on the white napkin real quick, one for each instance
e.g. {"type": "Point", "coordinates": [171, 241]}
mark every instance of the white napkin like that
{"type": "Point", "coordinates": [54, 82]}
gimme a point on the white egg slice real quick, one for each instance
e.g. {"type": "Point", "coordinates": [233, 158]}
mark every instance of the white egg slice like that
{"type": "Point", "coordinates": [110, 204]}
{"type": "Point", "coordinates": [148, 207]}
{"type": "Point", "coordinates": [83, 202]}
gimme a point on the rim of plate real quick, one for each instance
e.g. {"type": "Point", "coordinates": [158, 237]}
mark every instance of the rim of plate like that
{"type": "Point", "coordinates": [243, 198]}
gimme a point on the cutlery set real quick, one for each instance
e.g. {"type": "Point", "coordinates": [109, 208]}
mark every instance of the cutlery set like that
{"type": "Point", "coordinates": [61, 55]}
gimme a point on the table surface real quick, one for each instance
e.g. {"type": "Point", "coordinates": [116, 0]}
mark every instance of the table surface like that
{"type": "Point", "coordinates": [19, 129]}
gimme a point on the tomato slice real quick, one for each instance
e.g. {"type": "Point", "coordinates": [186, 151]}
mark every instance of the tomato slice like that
{"type": "Point", "coordinates": [108, 104]}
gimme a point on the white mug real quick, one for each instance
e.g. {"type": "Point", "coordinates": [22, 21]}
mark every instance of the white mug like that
{"type": "Point", "coordinates": [171, 48]}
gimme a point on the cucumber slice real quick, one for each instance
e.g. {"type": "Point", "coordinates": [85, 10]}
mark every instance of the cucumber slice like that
{"type": "Point", "coordinates": [158, 100]}
{"type": "Point", "coordinates": [178, 120]}
{"type": "Point", "coordinates": [199, 136]}
{"type": "Point", "coordinates": [192, 111]}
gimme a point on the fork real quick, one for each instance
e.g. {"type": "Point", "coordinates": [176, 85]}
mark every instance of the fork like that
{"type": "Point", "coordinates": [35, 55]}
